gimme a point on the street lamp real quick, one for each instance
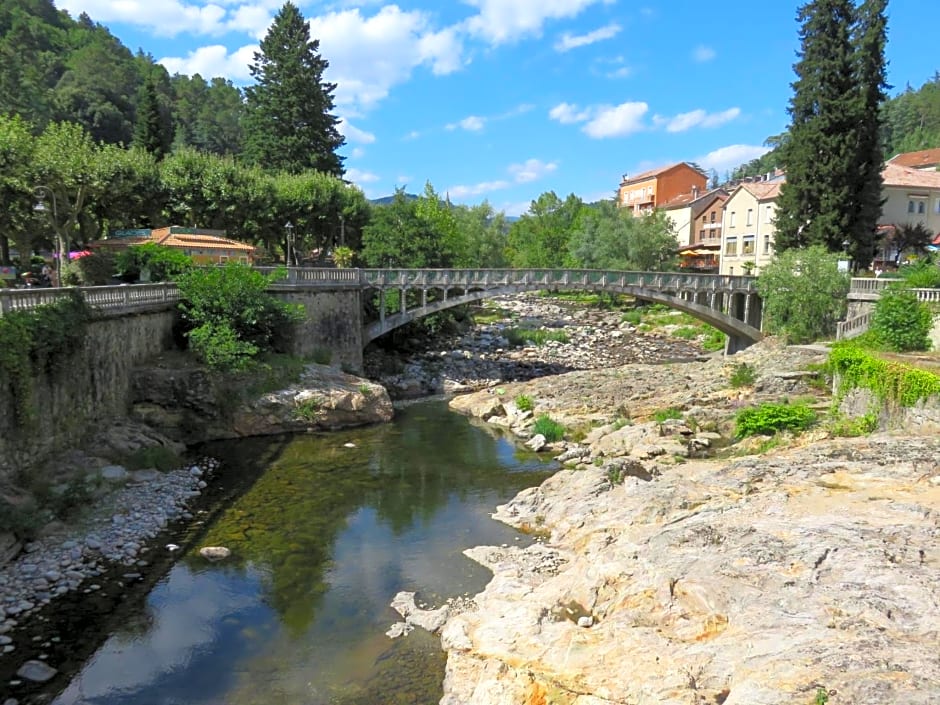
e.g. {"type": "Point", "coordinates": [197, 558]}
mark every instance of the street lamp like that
{"type": "Point", "coordinates": [289, 227]}
{"type": "Point", "coordinates": [43, 192]}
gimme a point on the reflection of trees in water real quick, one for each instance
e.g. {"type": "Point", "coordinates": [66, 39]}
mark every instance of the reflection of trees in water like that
{"type": "Point", "coordinates": [286, 525]}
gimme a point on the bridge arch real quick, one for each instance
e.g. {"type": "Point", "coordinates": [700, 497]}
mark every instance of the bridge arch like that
{"type": "Point", "coordinates": [732, 312]}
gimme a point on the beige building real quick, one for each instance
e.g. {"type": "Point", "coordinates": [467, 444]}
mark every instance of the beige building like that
{"type": "Point", "coordinates": [911, 196]}
{"type": "Point", "coordinates": [747, 228]}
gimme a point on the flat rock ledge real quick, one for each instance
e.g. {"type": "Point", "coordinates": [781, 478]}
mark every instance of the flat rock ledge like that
{"type": "Point", "coordinates": [661, 577]}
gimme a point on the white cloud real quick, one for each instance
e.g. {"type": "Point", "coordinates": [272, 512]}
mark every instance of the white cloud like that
{"type": "Point", "coordinates": [622, 72]}
{"type": "Point", "coordinates": [696, 118]}
{"type": "Point", "coordinates": [477, 189]}
{"type": "Point", "coordinates": [725, 158]}
{"type": "Point", "coordinates": [359, 176]}
{"type": "Point", "coordinates": [250, 19]}
{"type": "Point", "coordinates": [213, 61]}
{"type": "Point", "coordinates": [471, 123]}
{"type": "Point", "coordinates": [413, 135]}
{"type": "Point", "coordinates": [403, 179]}
{"type": "Point", "coordinates": [616, 121]}
{"type": "Point", "coordinates": [531, 170]}
{"type": "Point", "coordinates": [357, 153]}
{"type": "Point", "coordinates": [354, 134]}
{"type": "Point", "coordinates": [503, 21]}
{"type": "Point", "coordinates": [703, 53]}
{"type": "Point", "coordinates": [370, 55]}
{"type": "Point", "coordinates": [569, 41]}
{"type": "Point", "coordinates": [166, 17]}
{"type": "Point", "coordinates": [568, 113]}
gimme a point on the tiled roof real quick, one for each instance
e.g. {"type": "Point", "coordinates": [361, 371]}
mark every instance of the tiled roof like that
{"type": "Point", "coordinates": [896, 175]}
{"type": "Point", "coordinates": [654, 172]}
{"type": "Point", "coordinates": [915, 160]}
{"type": "Point", "coordinates": [206, 242]}
{"type": "Point", "coordinates": [763, 190]}
{"type": "Point", "coordinates": [704, 202]}
{"type": "Point", "coordinates": [700, 199]}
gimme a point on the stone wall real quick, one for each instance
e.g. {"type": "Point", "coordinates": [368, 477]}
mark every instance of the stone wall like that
{"type": "Point", "coordinates": [332, 323]}
{"type": "Point", "coordinates": [94, 387]}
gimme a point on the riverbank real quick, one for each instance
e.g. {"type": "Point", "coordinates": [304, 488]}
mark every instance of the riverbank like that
{"type": "Point", "coordinates": [804, 573]}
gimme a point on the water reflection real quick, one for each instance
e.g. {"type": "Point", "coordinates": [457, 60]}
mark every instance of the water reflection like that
{"type": "Point", "coordinates": [321, 542]}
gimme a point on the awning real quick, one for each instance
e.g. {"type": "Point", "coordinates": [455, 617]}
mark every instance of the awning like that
{"type": "Point", "coordinates": [698, 253]}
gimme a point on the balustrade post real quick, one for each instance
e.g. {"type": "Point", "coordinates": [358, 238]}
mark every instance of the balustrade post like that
{"type": "Point", "coordinates": [403, 302]}
{"type": "Point", "coordinates": [5, 304]}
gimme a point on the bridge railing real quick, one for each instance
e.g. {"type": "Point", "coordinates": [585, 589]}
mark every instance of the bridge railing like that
{"type": "Point", "coordinates": [106, 299]}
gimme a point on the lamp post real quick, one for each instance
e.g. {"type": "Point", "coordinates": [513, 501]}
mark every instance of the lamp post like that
{"type": "Point", "coordinates": [289, 227]}
{"type": "Point", "coordinates": [43, 192]}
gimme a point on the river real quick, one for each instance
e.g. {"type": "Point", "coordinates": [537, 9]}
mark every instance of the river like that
{"type": "Point", "coordinates": [324, 531]}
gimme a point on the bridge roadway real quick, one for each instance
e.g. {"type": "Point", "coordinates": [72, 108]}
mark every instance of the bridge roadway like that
{"type": "Point", "coordinates": [729, 303]}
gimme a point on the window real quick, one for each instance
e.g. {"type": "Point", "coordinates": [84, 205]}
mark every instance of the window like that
{"type": "Point", "coordinates": [768, 214]}
{"type": "Point", "coordinates": [731, 219]}
{"type": "Point", "coordinates": [936, 206]}
{"type": "Point", "coordinates": [712, 217]}
{"type": "Point", "coordinates": [750, 216]}
{"type": "Point", "coordinates": [766, 244]}
{"type": "Point", "coordinates": [731, 246]}
{"type": "Point", "coordinates": [910, 206]}
{"type": "Point", "coordinates": [921, 207]}
{"type": "Point", "coordinates": [747, 247]}
{"type": "Point", "coordinates": [701, 236]}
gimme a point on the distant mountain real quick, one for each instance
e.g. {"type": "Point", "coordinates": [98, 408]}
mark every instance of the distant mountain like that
{"type": "Point", "coordinates": [385, 200]}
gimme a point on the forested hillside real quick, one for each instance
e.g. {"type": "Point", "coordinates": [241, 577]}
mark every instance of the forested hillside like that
{"type": "Point", "coordinates": [911, 123]}
{"type": "Point", "coordinates": [55, 68]}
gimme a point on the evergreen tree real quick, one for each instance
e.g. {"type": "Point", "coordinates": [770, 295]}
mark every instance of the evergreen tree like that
{"type": "Point", "coordinates": [152, 131]}
{"type": "Point", "coordinates": [289, 124]}
{"type": "Point", "coordinates": [833, 153]}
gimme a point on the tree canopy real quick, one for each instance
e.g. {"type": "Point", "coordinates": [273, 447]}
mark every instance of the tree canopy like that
{"type": "Point", "coordinates": [289, 123]}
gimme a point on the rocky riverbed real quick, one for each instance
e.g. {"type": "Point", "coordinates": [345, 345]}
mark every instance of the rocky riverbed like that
{"type": "Point", "coordinates": [805, 573]}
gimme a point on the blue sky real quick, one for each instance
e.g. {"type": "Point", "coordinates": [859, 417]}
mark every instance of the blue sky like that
{"type": "Point", "coordinates": [506, 99]}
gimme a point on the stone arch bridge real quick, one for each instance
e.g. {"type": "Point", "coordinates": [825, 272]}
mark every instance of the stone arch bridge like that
{"type": "Point", "coordinates": [729, 303]}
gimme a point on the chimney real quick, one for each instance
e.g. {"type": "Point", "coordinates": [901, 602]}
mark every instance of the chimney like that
{"type": "Point", "coordinates": [695, 192]}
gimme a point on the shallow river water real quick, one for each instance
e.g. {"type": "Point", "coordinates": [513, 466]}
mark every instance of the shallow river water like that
{"type": "Point", "coordinates": [322, 538]}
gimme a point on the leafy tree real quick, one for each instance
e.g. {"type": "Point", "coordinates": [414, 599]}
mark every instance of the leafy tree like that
{"type": "Point", "coordinates": [484, 232]}
{"type": "Point", "coordinates": [910, 237]}
{"type": "Point", "coordinates": [229, 315]}
{"type": "Point", "coordinates": [207, 116]}
{"type": "Point", "coordinates": [398, 236]}
{"type": "Point", "coordinates": [540, 237]}
{"type": "Point", "coordinates": [612, 238]}
{"type": "Point", "coordinates": [289, 124]}
{"type": "Point", "coordinates": [804, 294]}
{"type": "Point", "coordinates": [17, 147]}
{"type": "Point", "coordinates": [832, 153]}
{"type": "Point", "coordinates": [902, 322]}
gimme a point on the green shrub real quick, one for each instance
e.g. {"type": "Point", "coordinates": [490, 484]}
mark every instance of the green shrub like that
{"type": "Point", "coordinates": [230, 317]}
{"type": "Point", "coordinates": [95, 269]}
{"type": "Point", "coordinates": [552, 430]}
{"type": "Point", "coordinates": [892, 382]}
{"type": "Point", "coordinates": [158, 263]}
{"type": "Point", "coordinates": [310, 409]}
{"type": "Point", "coordinates": [524, 403]}
{"type": "Point", "coordinates": [901, 321]}
{"type": "Point", "coordinates": [922, 274]}
{"type": "Point", "coordinates": [669, 414]}
{"type": "Point", "coordinates": [767, 419]}
{"type": "Point", "coordinates": [743, 375]}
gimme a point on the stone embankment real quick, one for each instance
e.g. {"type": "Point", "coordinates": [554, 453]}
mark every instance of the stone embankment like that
{"type": "Point", "coordinates": [806, 574]}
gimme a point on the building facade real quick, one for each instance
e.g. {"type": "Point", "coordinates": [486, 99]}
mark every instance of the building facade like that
{"type": "Point", "coordinates": [203, 246]}
{"type": "Point", "coordinates": [747, 231]}
{"type": "Point", "coordinates": [650, 189]}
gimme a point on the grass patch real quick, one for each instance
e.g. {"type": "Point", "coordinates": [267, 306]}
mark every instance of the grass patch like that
{"type": "Point", "coordinates": [310, 409]}
{"type": "Point", "coordinates": [743, 375]}
{"type": "Point", "coordinates": [634, 317]}
{"type": "Point", "coordinates": [524, 403]}
{"type": "Point", "coordinates": [489, 315]}
{"type": "Point", "coordinates": [522, 336]}
{"type": "Point", "coordinates": [714, 339]}
{"type": "Point", "coordinates": [669, 414]}
{"type": "Point", "coordinates": [552, 430]}
{"type": "Point", "coordinates": [687, 332]}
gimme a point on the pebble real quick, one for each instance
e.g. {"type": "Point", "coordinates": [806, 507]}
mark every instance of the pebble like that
{"type": "Point", "coordinates": [53, 566]}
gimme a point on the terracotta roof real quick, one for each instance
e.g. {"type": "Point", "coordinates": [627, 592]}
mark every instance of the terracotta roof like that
{"type": "Point", "coordinates": [170, 237]}
{"type": "Point", "coordinates": [691, 198]}
{"type": "Point", "coordinates": [917, 160]}
{"type": "Point", "coordinates": [763, 190]}
{"type": "Point", "coordinates": [705, 202]}
{"type": "Point", "coordinates": [655, 172]}
{"type": "Point", "coordinates": [896, 175]}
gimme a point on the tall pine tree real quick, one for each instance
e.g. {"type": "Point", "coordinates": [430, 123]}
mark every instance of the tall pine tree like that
{"type": "Point", "coordinates": [153, 130]}
{"type": "Point", "coordinates": [832, 196]}
{"type": "Point", "coordinates": [288, 123]}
